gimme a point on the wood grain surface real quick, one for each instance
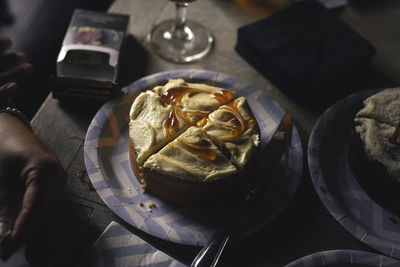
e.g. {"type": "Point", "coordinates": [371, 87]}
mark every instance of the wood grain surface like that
{"type": "Point", "coordinates": [305, 227]}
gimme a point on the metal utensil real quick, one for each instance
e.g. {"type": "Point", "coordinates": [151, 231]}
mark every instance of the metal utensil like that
{"type": "Point", "coordinates": [271, 154]}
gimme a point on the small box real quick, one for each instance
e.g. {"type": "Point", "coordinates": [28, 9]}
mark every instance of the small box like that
{"type": "Point", "coordinates": [87, 64]}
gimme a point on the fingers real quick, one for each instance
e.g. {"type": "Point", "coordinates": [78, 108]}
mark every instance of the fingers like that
{"type": "Point", "coordinates": [7, 92]}
{"type": "Point", "coordinates": [11, 60]}
{"type": "Point", "coordinates": [4, 43]}
{"type": "Point", "coordinates": [30, 209]}
{"type": "Point", "coordinates": [16, 74]}
{"type": "Point", "coordinates": [42, 183]}
{"type": "Point", "coordinates": [7, 211]}
{"type": "Point", "coordinates": [7, 219]}
{"type": "Point", "coordinates": [13, 66]}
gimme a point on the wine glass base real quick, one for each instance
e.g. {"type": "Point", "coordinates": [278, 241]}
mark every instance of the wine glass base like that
{"type": "Point", "coordinates": [198, 43]}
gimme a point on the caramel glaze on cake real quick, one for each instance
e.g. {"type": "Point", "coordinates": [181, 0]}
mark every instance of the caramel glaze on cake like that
{"type": "Point", "coordinates": [159, 115]}
{"type": "Point", "coordinates": [164, 183]}
{"type": "Point", "coordinates": [192, 167]}
{"type": "Point", "coordinates": [175, 190]}
{"type": "Point", "coordinates": [234, 129]}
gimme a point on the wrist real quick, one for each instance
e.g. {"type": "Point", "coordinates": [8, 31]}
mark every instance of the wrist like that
{"type": "Point", "coordinates": [6, 104]}
{"type": "Point", "coordinates": [18, 114]}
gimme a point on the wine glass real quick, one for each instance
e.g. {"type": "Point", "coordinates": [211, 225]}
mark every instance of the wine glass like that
{"type": "Point", "coordinates": [180, 40]}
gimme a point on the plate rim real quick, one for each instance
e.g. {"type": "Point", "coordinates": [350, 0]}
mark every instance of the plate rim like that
{"type": "Point", "coordinates": [341, 256]}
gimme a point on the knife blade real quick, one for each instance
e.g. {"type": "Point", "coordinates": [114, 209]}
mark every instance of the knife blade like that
{"type": "Point", "coordinates": [269, 158]}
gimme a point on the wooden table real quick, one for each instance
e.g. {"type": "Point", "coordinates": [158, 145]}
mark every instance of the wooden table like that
{"type": "Point", "coordinates": [305, 226]}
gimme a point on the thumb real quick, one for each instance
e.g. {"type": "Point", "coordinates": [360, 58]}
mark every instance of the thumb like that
{"type": "Point", "coordinates": [8, 213]}
{"type": "Point", "coordinates": [35, 202]}
{"type": "Point", "coordinates": [7, 219]}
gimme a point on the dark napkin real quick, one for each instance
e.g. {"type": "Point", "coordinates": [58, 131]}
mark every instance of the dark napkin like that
{"type": "Point", "coordinates": [307, 52]}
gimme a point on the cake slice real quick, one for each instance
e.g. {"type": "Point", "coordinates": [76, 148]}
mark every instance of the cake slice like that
{"type": "Point", "coordinates": [234, 129]}
{"type": "Point", "coordinates": [193, 157]}
{"type": "Point", "coordinates": [152, 125]}
{"type": "Point", "coordinates": [188, 170]}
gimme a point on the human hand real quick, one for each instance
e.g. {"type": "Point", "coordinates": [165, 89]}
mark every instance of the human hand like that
{"type": "Point", "coordinates": [31, 178]}
{"type": "Point", "coordinates": [7, 91]}
{"type": "Point", "coordinates": [14, 66]}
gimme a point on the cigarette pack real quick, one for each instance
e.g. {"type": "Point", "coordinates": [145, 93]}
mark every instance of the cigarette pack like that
{"type": "Point", "coordinates": [88, 61]}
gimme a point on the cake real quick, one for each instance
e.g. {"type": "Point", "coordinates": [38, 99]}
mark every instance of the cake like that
{"type": "Point", "coordinates": [375, 148]}
{"type": "Point", "coordinates": [148, 115]}
{"type": "Point", "coordinates": [190, 142]}
{"type": "Point", "coordinates": [233, 128]}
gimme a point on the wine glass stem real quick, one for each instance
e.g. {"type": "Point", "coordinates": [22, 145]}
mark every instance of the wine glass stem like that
{"type": "Point", "coordinates": [181, 31]}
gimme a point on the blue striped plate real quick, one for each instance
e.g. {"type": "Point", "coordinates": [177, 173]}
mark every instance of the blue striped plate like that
{"type": "Point", "coordinates": [107, 162]}
{"type": "Point", "coordinates": [336, 185]}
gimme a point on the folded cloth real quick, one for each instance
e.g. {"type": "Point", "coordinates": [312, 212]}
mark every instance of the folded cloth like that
{"type": "Point", "coordinates": [330, 4]}
{"type": "Point", "coordinates": [118, 247]}
{"type": "Point", "coordinates": [306, 52]}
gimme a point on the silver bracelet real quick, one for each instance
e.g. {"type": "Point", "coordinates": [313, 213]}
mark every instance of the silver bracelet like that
{"type": "Point", "coordinates": [18, 114]}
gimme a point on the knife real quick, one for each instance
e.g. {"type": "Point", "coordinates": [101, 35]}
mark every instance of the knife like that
{"type": "Point", "coordinates": [270, 156]}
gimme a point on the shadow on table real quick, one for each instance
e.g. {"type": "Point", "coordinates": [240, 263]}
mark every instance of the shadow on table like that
{"type": "Point", "coordinates": [133, 61]}
{"type": "Point", "coordinates": [61, 238]}
{"type": "Point", "coordinates": [303, 228]}
{"type": "Point", "coordinates": [356, 80]}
